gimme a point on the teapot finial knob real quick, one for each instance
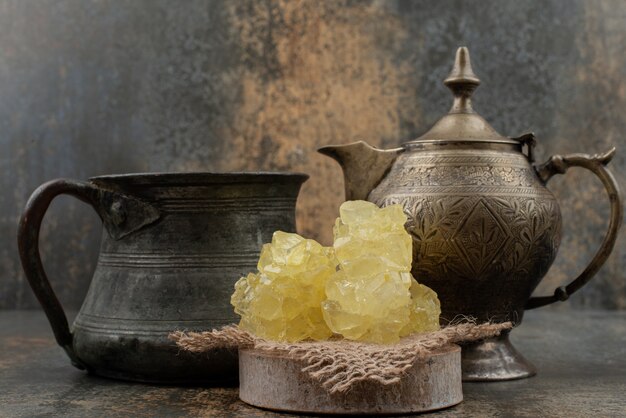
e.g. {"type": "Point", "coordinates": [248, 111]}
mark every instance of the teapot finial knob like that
{"type": "Point", "coordinates": [462, 81]}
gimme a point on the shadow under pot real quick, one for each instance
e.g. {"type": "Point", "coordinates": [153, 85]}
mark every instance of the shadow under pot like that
{"type": "Point", "coordinates": [172, 248]}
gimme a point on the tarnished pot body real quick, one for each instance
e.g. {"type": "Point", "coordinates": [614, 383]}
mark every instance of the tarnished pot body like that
{"type": "Point", "coordinates": [485, 229]}
{"type": "Point", "coordinates": [172, 249]}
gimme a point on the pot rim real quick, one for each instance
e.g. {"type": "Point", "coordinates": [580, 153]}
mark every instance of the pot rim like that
{"type": "Point", "coordinates": [199, 177]}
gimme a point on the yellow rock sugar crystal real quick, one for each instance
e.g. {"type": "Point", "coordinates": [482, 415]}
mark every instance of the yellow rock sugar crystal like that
{"type": "Point", "coordinates": [283, 300]}
{"type": "Point", "coordinates": [361, 288]}
{"type": "Point", "coordinates": [425, 309]}
{"type": "Point", "coordinates": [373, 296]}
{"type": "Point", "coordinates": [363, 231]}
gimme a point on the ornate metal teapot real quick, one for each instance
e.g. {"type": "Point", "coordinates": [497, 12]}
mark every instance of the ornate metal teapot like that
{"type": "Point", "coordinates": [485, 228]}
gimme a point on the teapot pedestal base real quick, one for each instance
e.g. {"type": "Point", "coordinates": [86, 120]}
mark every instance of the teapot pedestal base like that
{"type": "Point", "coordinates": [494, 359]}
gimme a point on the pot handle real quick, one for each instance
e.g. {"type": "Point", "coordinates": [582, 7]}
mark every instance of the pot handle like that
{"type": "Point", "coordinates": [121, 216]}
{"type": "Point", "coordinates": [28, 245]}
{"type": "Point", "coordinates": [558, 164]}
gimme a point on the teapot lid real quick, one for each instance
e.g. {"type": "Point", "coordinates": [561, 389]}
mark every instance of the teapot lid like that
{"type": "Point", "coordinates": [462, 123]}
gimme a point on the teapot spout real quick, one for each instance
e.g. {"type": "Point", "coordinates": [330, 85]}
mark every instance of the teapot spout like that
{"type": "Point", "coordinates": [363, 166]}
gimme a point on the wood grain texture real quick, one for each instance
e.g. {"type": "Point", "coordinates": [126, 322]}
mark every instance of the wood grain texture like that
{"type": "Point", "coordinates": [97, 87]}
{"type": "Point", "coordinates": [275, 381]}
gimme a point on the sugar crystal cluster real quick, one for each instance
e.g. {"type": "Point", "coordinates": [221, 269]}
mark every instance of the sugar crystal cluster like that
{"type": "Point", "coordinates": [282, 301]}
{"type": "Point", "coordinates": [361, 288]}
{"type": "Point", "coordinates": [373, 296]}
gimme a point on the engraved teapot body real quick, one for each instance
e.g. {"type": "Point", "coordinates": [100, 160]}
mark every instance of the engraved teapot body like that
{"type": "Point", "coordinates": [485, 228]}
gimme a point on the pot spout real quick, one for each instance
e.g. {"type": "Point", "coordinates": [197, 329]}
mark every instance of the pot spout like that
{"type": "Point", "coordinates": [363, 166]}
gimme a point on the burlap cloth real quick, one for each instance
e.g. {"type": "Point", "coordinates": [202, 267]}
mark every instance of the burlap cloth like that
{"type": "Point", "coordinates": [339, 364]}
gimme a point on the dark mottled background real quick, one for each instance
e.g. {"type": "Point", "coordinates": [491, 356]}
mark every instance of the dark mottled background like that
{"type": "Point", "coordinates": [111, 86]}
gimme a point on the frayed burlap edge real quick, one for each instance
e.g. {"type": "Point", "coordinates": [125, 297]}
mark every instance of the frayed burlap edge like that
{"type": "Point", "coordinates": [339, 364]}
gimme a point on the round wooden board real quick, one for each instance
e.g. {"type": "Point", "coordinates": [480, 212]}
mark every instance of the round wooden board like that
{"type": "Point", "coordinates": [272, 381]}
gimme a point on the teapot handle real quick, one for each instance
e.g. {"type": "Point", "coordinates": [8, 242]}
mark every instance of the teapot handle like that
{"type": "Point", "coordinates": [121, 215]}
{"type": "Point", "coordinates": [558, 164]}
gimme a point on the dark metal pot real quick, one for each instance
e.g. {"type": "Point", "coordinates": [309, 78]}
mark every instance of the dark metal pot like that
{"type": "Point", "coordinates": [485, 228]}
{"type": "Point", "coordinates": [172, 248]}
